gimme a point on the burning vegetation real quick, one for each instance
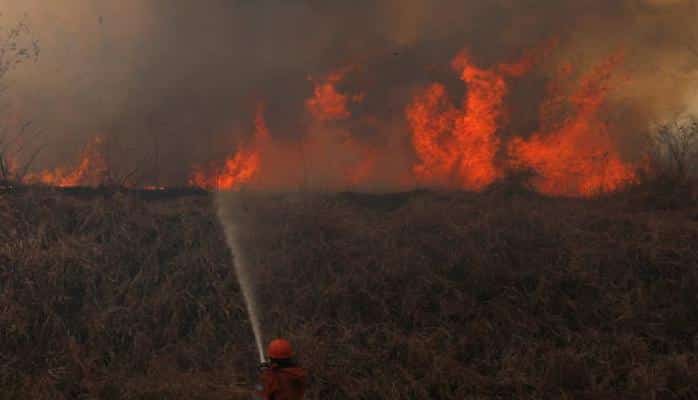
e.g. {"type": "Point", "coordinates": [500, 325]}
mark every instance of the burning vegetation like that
{"type": "Point", "coordinates": [455, 147]}
{"type": "Point", "coordinates": [91, 169]}
{"type": "Point", "coordinates": [448, 94]}
{"type": "Point", "coordinates": [576, 155]}
{"type": "Point", "coordinates": [238, 169]}
{"type": "Point", "coordinates": [465, 146]}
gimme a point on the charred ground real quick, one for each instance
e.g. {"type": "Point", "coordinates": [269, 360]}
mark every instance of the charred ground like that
{"type": "Point", "coordinates": [504, 294]}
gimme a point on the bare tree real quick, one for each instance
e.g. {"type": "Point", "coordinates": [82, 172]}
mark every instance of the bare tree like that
{"type": "Point", "coordinates": [17, 46]}
{"type": "Point", "coordinates": [675, 149]}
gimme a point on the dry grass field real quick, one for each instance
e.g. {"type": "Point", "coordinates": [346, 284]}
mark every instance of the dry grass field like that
{"type": "Point", "coordinates": [504, 294]}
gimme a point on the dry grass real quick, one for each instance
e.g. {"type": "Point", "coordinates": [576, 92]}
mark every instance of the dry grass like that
{"type": "Point", "coordinates": [423, 295]}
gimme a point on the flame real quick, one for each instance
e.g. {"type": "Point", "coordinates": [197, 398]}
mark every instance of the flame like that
{"type": "Point", "coordinates": [90, 171]}
{"type": "Point", "coordinates": [327, 103]}
{"type": "Point", "coordinates": [356, 161]}
{"type": "Point", "coordinates": [457, 147]}
{"type": "Point", "coordinates": [239, 168]}
{"type": "Point", "coordinates": [578, 157]}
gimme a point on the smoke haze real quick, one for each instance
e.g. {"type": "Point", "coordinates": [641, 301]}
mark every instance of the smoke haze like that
{"type": "Point", "coordinates": [171, 84]}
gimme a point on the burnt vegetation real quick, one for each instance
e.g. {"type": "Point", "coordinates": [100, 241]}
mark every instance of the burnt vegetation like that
{"type": "Point", "coordinates": [503, 294]}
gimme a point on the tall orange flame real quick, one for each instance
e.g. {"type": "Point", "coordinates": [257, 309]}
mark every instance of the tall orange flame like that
{"type": "Point", "coordinates": [578, 157]}
{"type": "Point", "coordinates": [457, 147]}
{"type": "Point", "coordinates": [238, 169]}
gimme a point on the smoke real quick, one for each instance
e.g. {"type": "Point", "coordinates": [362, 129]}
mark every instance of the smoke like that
{"type": "Point", "coordinates": [174, 83]}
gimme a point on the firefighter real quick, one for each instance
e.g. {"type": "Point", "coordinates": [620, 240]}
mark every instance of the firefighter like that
{"type": "Point", "coordinates": [281, 378]}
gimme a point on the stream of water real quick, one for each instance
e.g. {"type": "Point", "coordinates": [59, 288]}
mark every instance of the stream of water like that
{"type": "Point", "coordinates": [240, 264]}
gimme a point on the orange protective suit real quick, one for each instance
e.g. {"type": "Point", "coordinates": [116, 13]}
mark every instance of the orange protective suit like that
{"type": "Point", "coordinates": [283, 383]}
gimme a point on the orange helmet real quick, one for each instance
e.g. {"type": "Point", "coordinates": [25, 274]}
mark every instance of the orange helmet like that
{"type": "Point", "coordinates": [280, 349]}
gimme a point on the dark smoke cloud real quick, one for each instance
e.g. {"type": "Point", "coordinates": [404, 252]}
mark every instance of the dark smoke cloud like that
{"type": "Point", "coordinates": [171, 83]}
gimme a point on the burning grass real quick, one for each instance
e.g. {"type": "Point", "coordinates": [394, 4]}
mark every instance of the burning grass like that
{"type": "Point", "coordinates": [503, 294]}
{"type": "Point", "coordinates": [435, 140]}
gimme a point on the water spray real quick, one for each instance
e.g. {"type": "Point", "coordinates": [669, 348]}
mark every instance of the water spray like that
{"type": "Point", "coordinates": [231, 226]}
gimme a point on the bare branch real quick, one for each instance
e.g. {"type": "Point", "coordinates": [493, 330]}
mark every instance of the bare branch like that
{"type": "Point", "coordinates": [676, 148]}
{"type": "Point", "coordinates": [16, 46]}
{"type": "Point", "coordinates": [28, 164]}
